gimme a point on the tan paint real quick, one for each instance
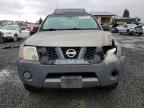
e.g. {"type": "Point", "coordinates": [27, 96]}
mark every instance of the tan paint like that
{"type": "Point", "coordinates": [75, 38]}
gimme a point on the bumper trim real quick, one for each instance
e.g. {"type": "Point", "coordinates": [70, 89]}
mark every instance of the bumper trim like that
{"type": "Point", "coordinates": [89, 79]}
{"type": "Point", "coordinates": [56, 82]}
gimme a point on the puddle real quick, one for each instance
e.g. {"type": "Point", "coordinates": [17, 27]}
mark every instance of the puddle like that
{"type": "Point", "coordinates": [3, 75]}
{"type": "Point", "coordinates": [127, 41]}
{"type": "Point", "coordinates": [9, 47]}
{"type": "Point", "coordinates": [139, 44]}
{"type": "Point", "coordinates": [133, 44]}
{"type": "Point", "coordinates": [126, 45]}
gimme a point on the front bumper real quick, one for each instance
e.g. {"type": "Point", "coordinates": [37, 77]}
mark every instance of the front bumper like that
{"type": "Point", "coordinates": [40, 72]}
{"type": "Point", "coordinates": [8, 36]}
{"type": "Point", "coordinates": [137, 31]}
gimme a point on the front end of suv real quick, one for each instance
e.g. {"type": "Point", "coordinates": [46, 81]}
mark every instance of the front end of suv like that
{"type": "Point", "coordinates": [70, 58]}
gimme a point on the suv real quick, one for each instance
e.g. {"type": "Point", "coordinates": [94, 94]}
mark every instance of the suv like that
{"type": "Point", "coordinates": [70, 50]}
{"type": "Point", "coordinates": [10, 32]}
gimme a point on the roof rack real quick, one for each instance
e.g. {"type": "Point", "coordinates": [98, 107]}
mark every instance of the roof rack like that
{"type": "Point", "coordinates": [61, 11]}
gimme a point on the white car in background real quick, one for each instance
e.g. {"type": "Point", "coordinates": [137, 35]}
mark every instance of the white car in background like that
{"type": "Point", "coordinates": [14, 32]}
{"type": "Point", "coordinates": [10, 32]}
{"type": "Point", "coordinates": [143, 28]}
{"type": "Point", "coordinates": [131, 29]}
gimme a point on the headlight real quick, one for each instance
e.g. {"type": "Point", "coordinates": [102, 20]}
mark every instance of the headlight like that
{"type": "Point", "coordinates": [118, 53]}
{"type": "Point", "coordinates": [110, 56]}
{"type": "Point", "coordinates": [28, 53]}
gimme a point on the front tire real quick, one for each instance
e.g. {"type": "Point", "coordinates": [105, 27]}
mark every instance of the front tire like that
{"type": "Point", "coordinates": [128, 32]}
{"type": "Point", "coordinates": [140, 34]}
{"type": "Point", "coordinates": [121, 33]}
{"type": "Point", "coordinates": [132, 33]}
{"type": "Point", "coordinates": [1, 40]}
{"type": "Point", "coordinates": [15, 39]}
{"type": "Point", "coordinates": [32, 88]}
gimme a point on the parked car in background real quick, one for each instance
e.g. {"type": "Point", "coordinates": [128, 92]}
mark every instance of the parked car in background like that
{"type": "Point", "coordinates": [114, 28]}
{"type": "Point", "coordinates": [131, 29]}
{"type": "Point", "coordinates": [33, 29]}
{"type": "Point", "coordinates": [143, 28]}
{"type": "Point", "coordinates": [24, 32]}
{"type": "Point", "coordinates": [106, 27]}
{"type": "Point", "coordinates": [10, 32]}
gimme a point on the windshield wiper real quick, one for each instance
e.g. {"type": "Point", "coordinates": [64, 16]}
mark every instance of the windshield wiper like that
{"type": "Point", "coordinates": [50, 29]}
{"type": "Point", "coordinates": [53, 29]}
{"type": "Point", "coordinates": [79, 29]}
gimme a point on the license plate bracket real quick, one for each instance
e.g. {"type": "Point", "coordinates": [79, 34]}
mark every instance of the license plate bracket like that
{"type": "Point", "coordinates": [71, 61]}
{"type": "Point", "coordinates": [71, 82]}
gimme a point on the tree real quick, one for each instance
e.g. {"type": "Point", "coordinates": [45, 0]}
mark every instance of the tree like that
{"type": "Point", "coordinates": [40, 21]}
{"type": "Point", "coordinates": [126, 13]}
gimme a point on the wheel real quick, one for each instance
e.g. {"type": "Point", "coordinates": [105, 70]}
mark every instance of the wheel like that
{"type": "Point", "coordinates": [128, 32]}
{"type": "Point", "coordinates": [140, 34]}
{"type": "Point", "coordinates": [32, 88]}
{"type": "Point", "coordinates": [1, 40]}
{"type": "Point", "coordinates": [132, 33]}
{"type": "Point", "coordinates": [15, 39]}
{"type": "Point", "coordinates": [110, 88]}
{"type": "Point", "coordinates": [121, 33]}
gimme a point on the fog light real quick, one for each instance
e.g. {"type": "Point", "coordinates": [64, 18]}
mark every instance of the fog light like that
{"type": "Point", "coordinates": [115, 73]}
{"type": "Point", "coordinates": [27, 75]}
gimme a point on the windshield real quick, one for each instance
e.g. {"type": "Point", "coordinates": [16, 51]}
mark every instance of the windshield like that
{"type": "Point", "coordinates": [73, 22]}
{"type": "Point", "coordinates": [9, 27]}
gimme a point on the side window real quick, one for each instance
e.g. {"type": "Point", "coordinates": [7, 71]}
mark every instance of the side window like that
{"type": "Point", "coordinates": [23, 28]}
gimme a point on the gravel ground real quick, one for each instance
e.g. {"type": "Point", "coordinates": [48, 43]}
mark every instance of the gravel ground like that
{"type": "Point", "coordinates": [129, 94]}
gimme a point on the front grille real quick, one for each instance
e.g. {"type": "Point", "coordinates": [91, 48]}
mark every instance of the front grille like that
{"type": "Point", "coordinates": [76, 49]}
{"type": "Point", "coordinates": [138, 29]}
{"type": "Point", "coordinates": [48, 52]}
{"type": "Point", "coordinates": [82, 74]}
{"type": "Point", "coordinates": [50, 55]}
{"type": "Point", "coordinates": [90, 52]}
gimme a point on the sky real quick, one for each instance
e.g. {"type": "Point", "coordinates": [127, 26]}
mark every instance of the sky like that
{"type": "Point", "coordinates": [32, 10]}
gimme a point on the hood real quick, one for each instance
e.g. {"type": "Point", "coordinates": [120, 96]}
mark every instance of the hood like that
{"type": "Point", "coordinates": [75, 38]}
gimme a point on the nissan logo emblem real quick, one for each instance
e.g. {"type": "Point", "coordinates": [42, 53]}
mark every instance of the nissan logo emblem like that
{"type": "Point", "coordinates": [71, 53]}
